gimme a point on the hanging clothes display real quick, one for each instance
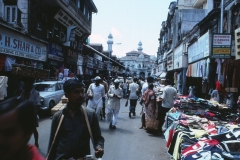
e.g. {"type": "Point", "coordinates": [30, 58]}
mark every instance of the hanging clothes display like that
{"type": "Point", "coordinates": [3, 87]}
{"type": "Point", "coordinates": [8, 63]}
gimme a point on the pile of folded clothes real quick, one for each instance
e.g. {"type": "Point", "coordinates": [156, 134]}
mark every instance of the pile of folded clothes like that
{"type": "Point", "coordinates": [191, 137]}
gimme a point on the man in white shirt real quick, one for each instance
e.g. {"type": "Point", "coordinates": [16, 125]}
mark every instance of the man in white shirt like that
{"type": "Point", "coordinates": [115, 93]}
{"type": "Point", "coordinates": [97, 91]}
{"type": "Point", "coordinates": [125, 87]}
{"type": "Point", "coordinates": [169, 94]}
{"type": "Point", "coordinates": [133, 89]}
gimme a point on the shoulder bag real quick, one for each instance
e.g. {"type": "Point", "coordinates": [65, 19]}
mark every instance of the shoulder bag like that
{"type": "Point", "coordinates": [59, 125]}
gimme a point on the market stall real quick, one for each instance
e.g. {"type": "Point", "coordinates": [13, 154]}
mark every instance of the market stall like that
{"type": "Point", "coordinates": [202, 129]}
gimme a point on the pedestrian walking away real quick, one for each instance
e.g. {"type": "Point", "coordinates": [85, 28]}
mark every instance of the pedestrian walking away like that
{"type": "Point", "coordinates": [29, 93]}
{"type": "Point", "coordinates": [151, 110]}
{"type": "Point", "coordinates": [17, 121]}
{"type": "Point", "coordinates": [133, 96]}
{"type": "Point", "coordinates": [96, 97]}
{"type": "Point", "coordinates": [115, 94]}
{"type": "Point", "coordinates": [70, 135]}
{"type": "Point", "coordinates": [125, 88]}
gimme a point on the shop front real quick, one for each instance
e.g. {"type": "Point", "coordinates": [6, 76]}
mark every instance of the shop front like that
{"type": "Point", "coordinates": [170, 71]}
{"type": "Point", "coordinates": [18, 48]}
{"type": "Point", "coordinates": [70, 65]}
{"type": "Point", "coordinates": [198, 76]}
{"type": "Point", "coordinates": [55, 58]}
{"type": "Point", "coordinates": [180, 67]}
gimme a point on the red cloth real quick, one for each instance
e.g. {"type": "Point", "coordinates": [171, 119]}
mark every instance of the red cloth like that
{"type": "Point", "coordinates": [34, 152]}
{"type": "Point", "coordinates": [199, 145]}
{"type": "Point", "coordinates": [170, 136]}
{"type": "Point", "coordinates": [2, 61]}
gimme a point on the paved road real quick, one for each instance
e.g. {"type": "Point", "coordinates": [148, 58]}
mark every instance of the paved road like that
{"type": "Point", "coordinates": [127, 142]}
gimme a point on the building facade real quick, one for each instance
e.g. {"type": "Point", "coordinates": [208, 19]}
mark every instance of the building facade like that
{"type": "Point", "coordinates": [195, 55]}
{"type": "Point", "coordinates": [137, 63]}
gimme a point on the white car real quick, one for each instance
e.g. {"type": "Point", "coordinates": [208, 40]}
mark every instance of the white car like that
{"type": "Point", "coordinates": [50, 92]}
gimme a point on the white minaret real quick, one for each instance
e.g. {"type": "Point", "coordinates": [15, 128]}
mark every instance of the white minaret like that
{"type": "Point", "coordinates": [140, 47]}
{"type": "Point", "coordinates": [110, 43]}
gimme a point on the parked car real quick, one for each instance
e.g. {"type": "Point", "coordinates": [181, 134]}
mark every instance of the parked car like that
{"type": "Point", "coordinates": [50, 92]}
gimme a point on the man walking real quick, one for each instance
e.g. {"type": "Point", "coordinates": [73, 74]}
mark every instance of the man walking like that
{"type": "Point", "coordinates": [115, 94]}
{"type": "Point", "coordinates": [95, 101]}
{"type": "Point", "coordinates": [73, 138]}
{"type": "Point", "coordinates": [133, 96]}
{"type": "Point", "coordinates": [104, 83]}
{"type": "Point", "coordinates": [125, 88]}
{"type": "Point", "coordinates": [169, 94]}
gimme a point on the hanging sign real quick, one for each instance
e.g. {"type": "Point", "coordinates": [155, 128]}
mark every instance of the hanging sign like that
{"type": "Point", "coordinates": [221, 45]}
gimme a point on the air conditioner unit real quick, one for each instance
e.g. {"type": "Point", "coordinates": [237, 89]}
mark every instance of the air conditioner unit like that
{"type": "Point", "coordinates": [62, 37]}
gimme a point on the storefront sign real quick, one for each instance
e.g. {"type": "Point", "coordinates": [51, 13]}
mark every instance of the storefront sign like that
{"type": "Point", "coordinates": [221, 47]}
{"type": "Point", "coordinates": [80, 60]}
{"type": "Point", "coordinates": [55, 52]}
{"type": "Point", "coordinates": [170, 62]}
{"type": "Point", "coordinates": [72, 57]}
{"type": "Point", "coordinates": [199, 49]}
{"type": "Point", "coordinates": [180, 60]}
{"type": "Point", "coordinates": [100, 65]}
{"type": "Point", "coordinates": [89, 61]}
{"type": "Point", "coordinates": [67, 21]}
{"type": "Point", "coordinates": [95, 63]}
{"type": "Point", "coordinates": [96, 56]}
{"type": "Point", "coordinates": [21, 46]}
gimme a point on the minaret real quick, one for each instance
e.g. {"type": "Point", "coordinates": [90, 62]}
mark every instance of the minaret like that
{"type": "Point", "coordinates": [140, 47]}
{"type": "Point", "coordinates": [110, 43]}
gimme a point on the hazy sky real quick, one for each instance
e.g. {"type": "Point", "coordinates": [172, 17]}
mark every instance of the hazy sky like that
{"type": "Point", "coordinates": [129, 21]}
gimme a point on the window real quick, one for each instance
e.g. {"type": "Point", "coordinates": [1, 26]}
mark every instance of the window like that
{"type": "Point", "coordinates": [11, 14]}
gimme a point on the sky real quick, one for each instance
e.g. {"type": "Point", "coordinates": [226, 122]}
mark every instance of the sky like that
{"type": "Point", "coordinates": [129, 22]}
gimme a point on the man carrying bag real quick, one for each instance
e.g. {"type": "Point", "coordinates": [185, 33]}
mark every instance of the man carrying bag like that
{"type": "Point", "coordinates": [73, 127]}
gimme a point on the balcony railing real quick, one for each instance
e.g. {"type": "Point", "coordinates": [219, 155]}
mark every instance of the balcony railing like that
{"type": "Point", "coordinates": [79, 15]}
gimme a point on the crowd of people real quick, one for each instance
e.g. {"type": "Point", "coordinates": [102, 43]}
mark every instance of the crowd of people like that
{"type": "Point", "coordinates": [74, 126]}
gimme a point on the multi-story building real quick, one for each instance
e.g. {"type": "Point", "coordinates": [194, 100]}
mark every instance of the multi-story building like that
{"type": "Point", "coordinates": [138, 63]}
{"type": "Point", "coordinates": [191, 55]}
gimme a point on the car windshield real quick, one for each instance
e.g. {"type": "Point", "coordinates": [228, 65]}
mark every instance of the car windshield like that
{"type": "Point", "coordinates": [45, 87]}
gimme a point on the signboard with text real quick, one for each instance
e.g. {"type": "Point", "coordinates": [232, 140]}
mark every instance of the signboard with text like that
{"type": "Point", "coordinates": [199, 49]}
{"type": "Point", "coordinates": [20, 46]}
{"type": "Point", "coordinates": [55, 52]}
{"type": "Point", "coordinates": [221, 45]}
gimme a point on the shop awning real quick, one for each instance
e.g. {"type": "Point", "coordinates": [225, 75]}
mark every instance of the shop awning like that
{"type": "Point", "coordinates": [163, 75]}
{"type": "Point", "coordinates": [99, 53]}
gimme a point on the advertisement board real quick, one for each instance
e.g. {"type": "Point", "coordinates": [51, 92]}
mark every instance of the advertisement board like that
{"type": "Point", "coordinates": [221, 45]}
{"type": "Point", "coordinates": [199, 49]}
{"type": "Point", "coordinates": [21, 46]}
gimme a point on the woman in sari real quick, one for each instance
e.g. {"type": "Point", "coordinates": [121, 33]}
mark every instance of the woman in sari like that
{"type": "Point", "coordinates": [149, 98]}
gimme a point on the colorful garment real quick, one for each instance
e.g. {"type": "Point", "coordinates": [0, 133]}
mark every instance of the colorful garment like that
{"type": "Point", "coordinates": [151, 111]}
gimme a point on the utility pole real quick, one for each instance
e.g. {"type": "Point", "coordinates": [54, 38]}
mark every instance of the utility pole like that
{"type": "Point", "coordinates": [221, 21]}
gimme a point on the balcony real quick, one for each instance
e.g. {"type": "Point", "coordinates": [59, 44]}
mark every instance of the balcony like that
{"type": "Point", "coordinates": [198, 3]}
{"type": "Point", "coordinates": [76, 14]}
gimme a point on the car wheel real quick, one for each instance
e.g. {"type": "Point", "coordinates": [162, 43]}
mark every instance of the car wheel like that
{"type": "Point", "coordinates": [51, 105]}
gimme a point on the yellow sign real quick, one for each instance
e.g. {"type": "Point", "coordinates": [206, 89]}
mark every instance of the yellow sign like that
{"type": "Point", "coordinates": [221, 50]}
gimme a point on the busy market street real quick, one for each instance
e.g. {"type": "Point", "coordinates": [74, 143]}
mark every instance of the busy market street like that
{"type": "Point", "coordinates": [119, 80]}
{"type": "Point", "coordinates": [126, 142]}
